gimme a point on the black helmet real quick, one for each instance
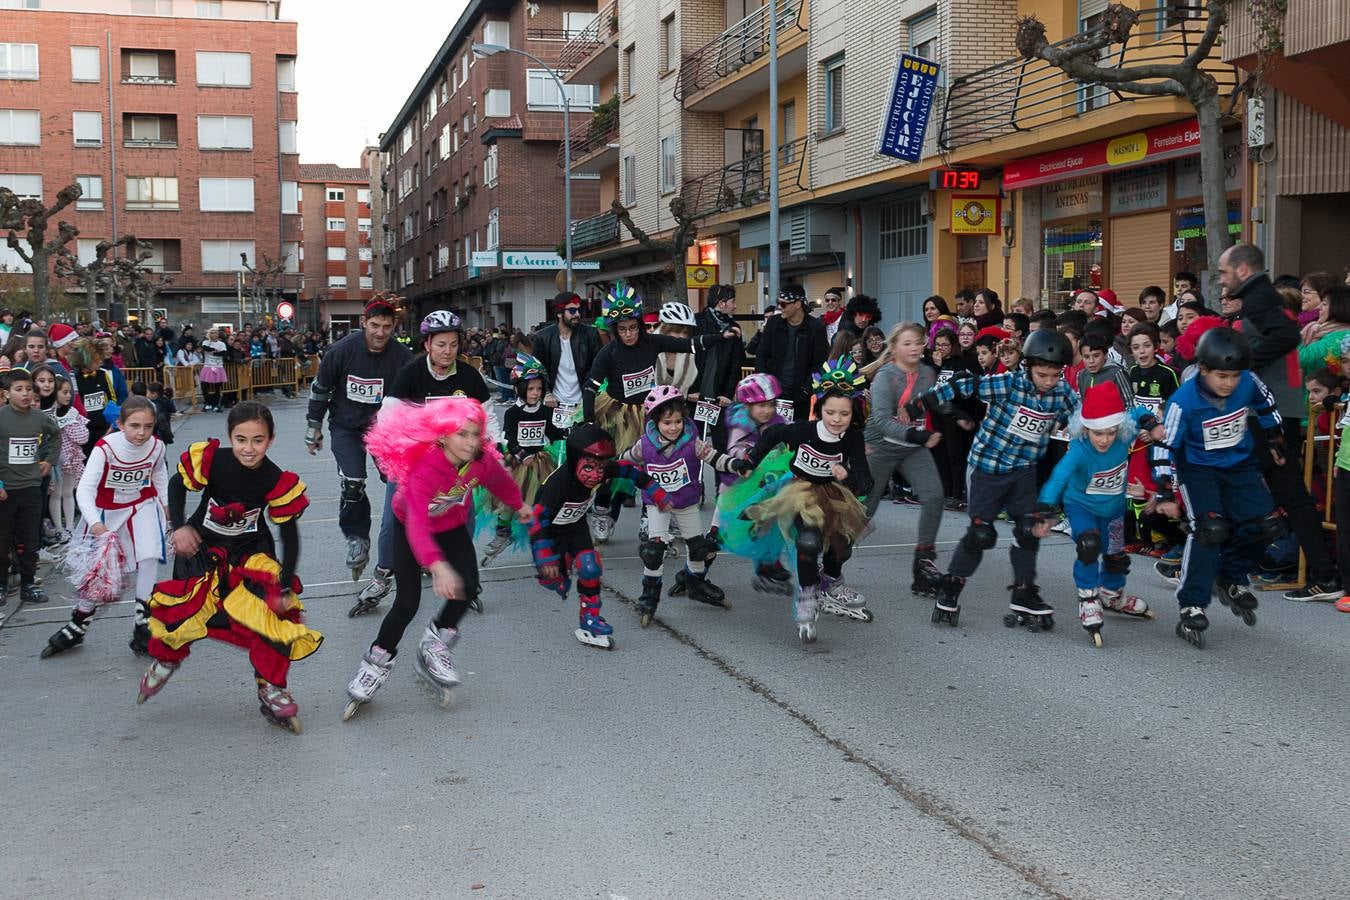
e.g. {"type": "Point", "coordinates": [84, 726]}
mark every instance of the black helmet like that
{"type": "Point", "coordinates": [1224, 349]}
{"type": "Point", "coordinates": [589, 440]}
{"type": "Point", "coordinates": [1049, 348]}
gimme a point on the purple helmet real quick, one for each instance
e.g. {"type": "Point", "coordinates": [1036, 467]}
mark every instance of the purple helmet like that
{"type": "Point", "coordinates": [758, 388]}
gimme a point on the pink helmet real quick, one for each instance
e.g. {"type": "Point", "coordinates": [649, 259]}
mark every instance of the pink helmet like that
{"type": "Point", "coordinates": [758, 388]}
{"type": "Point", "coordinates": [659, 396]}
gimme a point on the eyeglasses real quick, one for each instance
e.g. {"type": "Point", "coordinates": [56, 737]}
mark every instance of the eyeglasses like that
{"type": "Point", "coordinates": [572, 310]}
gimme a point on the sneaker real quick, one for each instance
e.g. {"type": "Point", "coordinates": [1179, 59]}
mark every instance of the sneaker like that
{"type": "Point", "coordinates": [31, 593]}
{"type": "Point", "coordinates": [1172, 557]}
{"type": "Point", "coordinates": [953, 505]}
{"type": "Point", "coordinates": [1137, 549]}
{"type": "Point", "coordinates": [49, 555]}
{"type": "Point", "coordinates": [1061, 527]}
{"type": "Point", "coordinates": [1343, 605]}
{"type": "Point", "coordinates": [1324, 591]}
{"type": "Point", "coordinates": [49, 531]}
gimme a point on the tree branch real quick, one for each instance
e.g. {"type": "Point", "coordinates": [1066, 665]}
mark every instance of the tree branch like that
{"type": "Point", "coordinates": [1218, 17]}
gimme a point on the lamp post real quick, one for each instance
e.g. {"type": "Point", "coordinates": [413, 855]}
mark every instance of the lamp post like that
{"type": "Point", "coordinates": [486, 50]}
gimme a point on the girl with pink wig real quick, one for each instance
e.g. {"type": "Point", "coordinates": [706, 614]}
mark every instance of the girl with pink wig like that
{"type": "Point", "coordinates": [437, 455]}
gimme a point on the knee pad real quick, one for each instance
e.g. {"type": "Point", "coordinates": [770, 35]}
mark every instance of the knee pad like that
{"type": "Point", "coordinates": [1089, 547]}
{"type": "Point", "coordinates": [701, 548]}
{"type": "Point", "coordinates": [353, 490]}
{"type": "Point", "coordinates": [1270, 527]}
{"type": "Point", "coordinates": [980, 536]}
{"type": "Point", "coordinates": [1023, 534]}
{"type": "Point", "coordinates": [588, 566]}
{"type": "Point", "coordinates": [1117, 563]}
{"type": "Point", "coordinates": [652, 554]}
{"type": "Point", "coordinates": [809, 542]}
{"type": "Point", "coordinates": [1212, 529]}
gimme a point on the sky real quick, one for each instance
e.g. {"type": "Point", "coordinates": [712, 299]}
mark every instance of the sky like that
{"type": "Point", "coordinates": [358, 61]}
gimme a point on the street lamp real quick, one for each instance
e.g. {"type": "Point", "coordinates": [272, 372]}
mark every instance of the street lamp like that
{"type": "Point", "coordinates": [486, 50]}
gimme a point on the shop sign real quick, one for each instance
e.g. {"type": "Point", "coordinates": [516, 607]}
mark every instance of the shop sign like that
{"type": "Point", "coordinates": [1129, 150]}
{"type": "Point", "coordinates": [1188, 170]}
{"type": "Point", "coordinates": [905, 120]}
{"type": "Point", "coordinates": [974, 215]}
{"type": "Point", "coordinates": [698, 276]}
{"type": "Point", "coordinates": [538, 260]}
{"type": "Point", "coordinates": [1139, 190]}
{"type": "Point", "coordinates": [1075, 197]}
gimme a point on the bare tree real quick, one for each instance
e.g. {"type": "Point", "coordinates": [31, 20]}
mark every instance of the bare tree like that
{"type": "Point", "coordinates": [133, 280]}
{"type": "Point", "coordinates": [92, 276]}
{"type": "Point", "coordinates": [265, 281]}
{"type": "Point", "coordinates": [676, 247]}
{"type": "Point", "coordinates": [32, 218]}
{"type": "Point", "coordinates": [1080, 57]}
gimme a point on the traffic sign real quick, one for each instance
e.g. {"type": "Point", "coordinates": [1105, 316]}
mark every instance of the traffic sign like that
{"type": "Point", "coordinates": [285, 310]}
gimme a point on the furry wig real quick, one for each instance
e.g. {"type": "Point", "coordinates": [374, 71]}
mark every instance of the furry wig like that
{"type": "Point", "coordinates": [405, 434]}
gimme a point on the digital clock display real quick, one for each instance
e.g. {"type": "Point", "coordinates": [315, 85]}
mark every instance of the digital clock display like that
{"type": "Point", "coordinates": [955, 180]}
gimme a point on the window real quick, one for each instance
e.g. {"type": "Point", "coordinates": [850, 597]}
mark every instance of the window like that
{"type": "Point", "coordinates": [626, 70]}
{"type": "Point", "coordinates": [92, 188]}
{"type": "Point", "coordinates": [490, 167]}
{"type": "Point", "coordinates": [454, 141]}
{"type": "Point", "coordinates": [20, 126]}
{"type": "Point", "coordinates": [152, 7]}
{"type": "Point", "coordinates": [669, 164]}
{"type": "Point", "coordinates": [459, 255]}
{"type": "Point", "coordinates": [497, 32]}
{"type": "Point", "coordinates": [405, 183]}
{"type": "Point", "coordinates": [363, 196]}
{"type": "Point", "coordinates": [903, 230]}
{"type": "Point", "coordinates": [165, 255]}
{"type": "Point", "coordinates": [923, 36]}
{"type": "Point", "coordinates": [147, 130]}
{"type": "Point", "coordinates": [336, 225]}
{"type": "Point", "coordinates": [337, 281]}
{"type": "Point", "coordinates": [20, 61]}
{"type": "Point", "coordinates": [224, 69]}
{"type": "Point", "coordinates": [367, 282]}
{"type": "Point", "coordinates": [287, 137]}
{"type": "Point", "coordinates": [409, 275]}
{"type": "Point", "coordinates": [407, 229]}
{"type": "Point", "coordinates": [464, 62]}
{"type": "Point", "coordinates": [86, 250]}
{"type": "Point", "coordinates": [405, 139]}
{"type": "Point", "coordinates": [627, 175]}
{"type": "Point", "coordinates": [210, 9]}
{"type": "Point", "coordinates": [834, 94]}
{"type": "Point", "coordinates": [670, 45]}
{"type": "Point", "coordinates": [364, 254]}
{"type": "Point", "coordinates": [493, 229]}
{"type": "Point", "coordinates": [574, 23]}
{"type": "Point", "coordinates": [152, 192]}
{"type": "Point", "coordinates": [337, 195]}
{"type": "Point", "coordinates": [223, 256]}
{"type": "Point", "coordinates": [20, 4]}
{"type": "Point", "coordinates": [226, 194]}
{"type": "Point", "coordinates": [290, 197]}
{"type": "Point", "coordinates": [337, 254]}
{"type": "Point", "coordinates": [25, 187]}
{"type": "Point", "coordinates": [84, 64]}
{"type": "Point", "coordinates": [445, 141]}
{"type": "Point", "coordinates": [147, 66]}
{"type": "Point", "coordinates": [543, 94]}
{"type": "Point", "coordinates": [88, 129]}
{"type": "Point", "coordinates": [286, 73]}
{"type": "Point", "coordinates": [497, 102]}
{"type": "Point", "coordinates": [225, 132]}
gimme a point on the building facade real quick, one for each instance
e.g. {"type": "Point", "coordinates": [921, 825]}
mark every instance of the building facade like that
{"type": "Point", "coordinates": [372, 163]}
{"type": "Point", "coordinates": [473, 194]}
{"type": "Point", "coordinates": [336, 257]}
{"type": "Point", "coordinates": [178, 120]}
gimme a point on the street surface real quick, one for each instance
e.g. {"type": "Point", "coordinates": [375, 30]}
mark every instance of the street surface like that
{"type": "Point", "coordinates": [709, 756]}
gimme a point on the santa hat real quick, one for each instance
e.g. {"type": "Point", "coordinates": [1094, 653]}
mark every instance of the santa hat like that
{"type": "Point", "coordinates": [1103, 407]}
{"type": "Point", "coordinates": [992, 336]}
{"type": "Point", "coordinates": [1107, 304]}
{"type": "Point", "coordinates": [61, 334]}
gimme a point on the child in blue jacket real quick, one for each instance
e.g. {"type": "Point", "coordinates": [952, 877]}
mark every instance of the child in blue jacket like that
{"type": "Point", "coordinates": [1090, 484]}
{"type": "Point", "coordinates": [1210, 457]}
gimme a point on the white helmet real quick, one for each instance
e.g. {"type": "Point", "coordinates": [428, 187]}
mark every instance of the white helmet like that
{"type": "Point", "coordinates": [676, 313]}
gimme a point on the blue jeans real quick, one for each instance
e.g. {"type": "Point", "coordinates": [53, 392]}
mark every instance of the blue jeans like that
{"type": "Point", "coordinates": [1240, 496]}
{"type": "Point", "coordinates": [1111, 529]}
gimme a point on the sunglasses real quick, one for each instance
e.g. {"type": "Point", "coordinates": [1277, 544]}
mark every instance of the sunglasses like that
{"type": "Point", "coordinates": [572, 310]}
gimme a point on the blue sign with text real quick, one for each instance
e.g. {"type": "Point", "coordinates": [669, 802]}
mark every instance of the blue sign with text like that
{"type": "Point", "coordinates": [906, 119]}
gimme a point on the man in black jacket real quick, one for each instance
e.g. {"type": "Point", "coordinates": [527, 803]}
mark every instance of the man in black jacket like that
{"type": "Point", "coordinates": [1273, 334]}
{"type": "Point", "coordinates": [792, 346]}
{"type": "Point", "coordinates": [720, 365]}
{"type": "Point", "coordinates": [567, 367]}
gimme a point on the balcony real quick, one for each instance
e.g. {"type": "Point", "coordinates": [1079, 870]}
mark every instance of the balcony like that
{"type": "Point", "coordinates": [594, 52]}
{"type": "Point", "coordinates": [1019, 95]}
{"type": "Point", "coordinates": [735, 67]}
{"type": "Point", "coordinates": [597, 231]}
{"type": "Point", "coordinates": [595, 145]}
{"type": "Point", "coordinates": [745, 183]}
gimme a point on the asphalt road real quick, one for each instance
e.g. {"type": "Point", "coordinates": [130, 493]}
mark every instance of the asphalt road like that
{"type": "Point", "coordinates": [709, 756]}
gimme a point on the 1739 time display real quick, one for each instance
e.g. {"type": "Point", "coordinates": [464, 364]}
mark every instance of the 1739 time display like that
{"type": "Point", "coordinates": [954, 180]}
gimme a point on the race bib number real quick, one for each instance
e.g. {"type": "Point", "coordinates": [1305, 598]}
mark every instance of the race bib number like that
{"type": "Point", "coordinates": [639, 383]}
{"type": "Point", "coordinates": [572, 513]}
{"type": "Point", "coordinates": [945, 376]}
{"type": "Point", "coordinates": [23, 451]}
{"type": "Point", "coordinates": [1030, 424]}
{"type": "Point", "coordinates": [95, 401]}
{"type": "Point", "coordinates": [816, 464]}
{"type": "Point", "coordinates": [365, 390]}
{"type": "Point", "coordinates": [671, 476]}
{"type": "Point", "coordinates": [1108, 483]}
{"type": "Point", "coordinates": [1225, 431]}
{"type": "Point", "coordinates": [785, 409]}
{"type": "Point", "coordinates": [120, 479]}
{"type": "Point", "coordinates": [246, 525]}
{"type": "Point", "coordinates": [563, 414]}
{"type": "Point", "coordinates": [1152, 404]}
{"type": "Point", "coordinates": [707, 413]}
{"type": "Point", "coordinates": [530, 434]}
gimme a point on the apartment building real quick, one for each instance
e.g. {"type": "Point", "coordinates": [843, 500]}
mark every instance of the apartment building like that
{"type": "Point", "coordinates": [178, 119]}
{"type": "Point", "coordinates": [472, 189]}
{"type": "Point", "coordinates": [372, 163]}
{"type": "Point", "coordinates": [336, 256]}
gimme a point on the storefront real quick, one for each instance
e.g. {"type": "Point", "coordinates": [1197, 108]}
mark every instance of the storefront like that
{"type": "Point", "coordinates": [1123, 213]}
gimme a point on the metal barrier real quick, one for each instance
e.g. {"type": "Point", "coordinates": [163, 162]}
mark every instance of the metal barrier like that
{"type": "Point", "coordinates": [273, 373]}
{"type": "Point", "coordinates": [1313, 444]}
{"type": "Point", "coordinates": [183, 380]}
{"type": "Point", "coordinates": [146, 374]}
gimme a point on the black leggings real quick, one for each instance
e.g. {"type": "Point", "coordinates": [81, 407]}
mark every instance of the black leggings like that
{"type": "Point", "coordinates": [810, 564]}
{"type": "Point", "coordinates": [211, 392]}
{"type": "Point", "coordinates": [457, 547]}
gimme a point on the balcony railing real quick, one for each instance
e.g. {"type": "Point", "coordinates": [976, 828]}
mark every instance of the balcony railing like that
{"type": "Point", "coordinates": [737, 47]}
{"type": "Point", "coordinates": [1019, 94]}
{"type": "Point", "coordinates": [595, 35]}
{"type": "Point", "coordinates": [595, 133]}
{"type": "Point", "coordinates": [746, 182]}
{"type": "Point", "coordinates": [595, 232]}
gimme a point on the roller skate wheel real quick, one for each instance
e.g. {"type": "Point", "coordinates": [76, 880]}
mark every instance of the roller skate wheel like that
{"type": "Point", "coordinates": [936, 617]}
{"type": "Point", "coordinates": [725, 603]}
{"type": "Point", "coordinates": [477, 604]}
{"type": "Point", "coordinates": [141, 698]}
{"type": "Point", "coordinates": [47, 652]}
{"type": "Point", "coordinates": [1047, 623]}
{"type": "Point", "coordinates": [645, 619]}
{"type": "Point", "coordinates": [1148, 614]}
{"type": "Point", "coordinates": [866, 614]}
{"type": "Point", "coordinates": [953, 618]}
{"type": "Point", "coordinates": [293, 724]}
{"type": "Point", "coordinates": [1010, 620]}
{"type": "Point", "coordinates": [350, 711]}
{"type": "Point", "coordinates": [1097, 639]}
{"type": "Point", "coordinates": [1248, 618]}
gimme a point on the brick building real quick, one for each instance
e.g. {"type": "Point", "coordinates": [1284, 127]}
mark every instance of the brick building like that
{"type": "Point", "coordinates": [178, 120]}
{"type": "Point", "coordinates": [372, 163]}
{"type": "Point", "coordinates": [471, 168]}
{"type": "Point", "coordinates": [336, 258]}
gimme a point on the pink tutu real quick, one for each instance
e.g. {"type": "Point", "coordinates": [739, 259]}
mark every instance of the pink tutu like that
{"type": "Point", "coordinates": [213, 375]}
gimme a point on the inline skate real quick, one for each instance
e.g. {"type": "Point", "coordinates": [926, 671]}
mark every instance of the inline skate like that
{"type": "Point", "coordinates": [1090, 615]}
{"type": "Point", "coordinates": [371, 595]}
{"type": "Point", "coordinates": [278, 706]}
{"type": "Point", "coordinates": [154, 679]}
{"type": "Point", "coordinates": [435, 663]}
{"type": "Point", "coordinates": [374, 672]}
{"type": "Point", "coordinates": [838, 599]}
{"type": "Point", "coordinates": [773, 578]}
{"type": "Point", "coordinates": [946, 607]}
{"type": "Point", "coordinates": [1192, 626]}
{"type": "Point", "coordinates": [1125, 604]}
{"type": "Point", "coordinates": [1240, 601]}
{"type": "Point", "coordinates": [593, 630]}
{"type": "Point", "coordinates": [649, 600]}
{"type": "Point", "coordinates": [927, 576]}
{"type": "Point", "coordinates": [358, 555]}
{"type": "Point", "coordinates": [699, 588]}
{"type": "Point", "coordinates": [1028, 610]}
